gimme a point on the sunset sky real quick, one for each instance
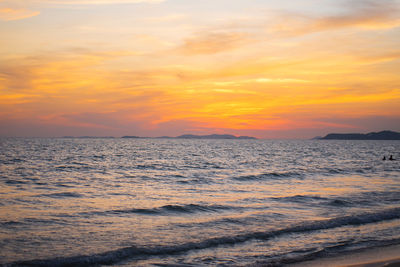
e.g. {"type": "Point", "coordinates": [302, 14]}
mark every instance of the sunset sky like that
{"type": "Point", "coordinates": [265, 68]}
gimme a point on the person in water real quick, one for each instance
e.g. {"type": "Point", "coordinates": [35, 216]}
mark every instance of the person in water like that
{"type": "Point", "coordinates": [391, 157]}
{"type": "Point", "coordinates": [384, 158]}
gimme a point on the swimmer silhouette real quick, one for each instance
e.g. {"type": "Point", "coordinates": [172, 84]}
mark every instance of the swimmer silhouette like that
{"type": "Point", "coordinates": [391, 157]}
{"type": "Point", "coordinates": [384, 158]}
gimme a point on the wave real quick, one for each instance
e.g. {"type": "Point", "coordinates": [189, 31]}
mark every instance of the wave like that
{"type": "Point", "coordinates": [74, 166]}
{"type": "Point", "coordinates": [268, 175]}
{"type": "Point", "coordinates": [11, 161]}
{"type": "Point", "coordinates": [193, 208]}
{"type": "Point", "coordinates": [115, 256]}
{"type": "Point", "coordinates": [165, 210]}
{"type": "Point", "coordinates": [340, 203]}
{"type": "Point", "coordinates": [379, 197]}
{"type": "Point", "coordinates": [361, 199]}
{"type": "Point", "coordinates": [348, 170]}
{"type": "Point", "coordinates": [29, 222]}
{"type": "Point", "coordinates": [312, 200]}
{"type": "Point", "coordinates": [15, 182]}
{"type": "Point", "coordinates": [62, 195]}
{"type": "Point", "coordinates": [300, 198]}
{"type": "Point", "coordinates": [9, 223]}
{"type": "Point", "coordinates": [302, 173]}
{"type": "Point", "coordinates": [318, 252]}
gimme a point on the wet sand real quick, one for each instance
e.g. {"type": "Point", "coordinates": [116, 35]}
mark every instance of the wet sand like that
{"type": "Point", "coordinates": [390, 263]}
{"type": "Point", "coordinates": [376, 257]}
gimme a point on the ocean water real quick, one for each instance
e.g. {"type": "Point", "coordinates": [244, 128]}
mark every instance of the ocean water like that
{"type": "Point", "coordinates": [171, 202]}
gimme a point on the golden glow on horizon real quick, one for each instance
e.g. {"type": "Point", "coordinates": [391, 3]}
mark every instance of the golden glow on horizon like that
{"type": "Point", "coordinates": [178, 74]}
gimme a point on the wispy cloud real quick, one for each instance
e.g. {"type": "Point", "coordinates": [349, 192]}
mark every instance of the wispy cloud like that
{"type": "Point", "coordinates": [214, 42]}
{"type": "Point", "coordinates": [384, 57]}
{"type": "Point", "coordinates": [365, 14]}
{"type": "Point", "coordinates": [17, 10]}
{"type": "Point", "coordinates": [7, 13]}
{"type": "Point", "coordinates": [167, 18]}
{"type": "Point", "coordinates": [92, 2]}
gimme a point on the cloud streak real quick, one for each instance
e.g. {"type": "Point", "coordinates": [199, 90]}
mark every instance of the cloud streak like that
{"type": "Point", "coordinates": [7, 13]}
{"type": "Point", "coordinates": [89, 2]}
{"type": "Point", "coordinates": [18, 10]}
{"type": "Point", "coordinates": [214, 42]}
{"type": "Point", "coordinates": [367, 15]}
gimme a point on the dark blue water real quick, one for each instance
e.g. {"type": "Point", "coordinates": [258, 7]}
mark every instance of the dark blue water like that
{"type": "Point", "coordinates": [141, 202]}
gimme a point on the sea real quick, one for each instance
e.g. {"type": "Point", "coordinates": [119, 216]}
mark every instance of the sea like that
{"type": "Point", "coordinates": [190, 202]}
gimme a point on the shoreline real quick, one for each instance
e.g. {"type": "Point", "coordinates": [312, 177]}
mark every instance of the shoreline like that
{"type": "Point", "coordinates": [388, 256]}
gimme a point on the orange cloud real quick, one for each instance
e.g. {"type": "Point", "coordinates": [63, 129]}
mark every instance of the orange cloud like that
{"type": "Point", "coordinates": [98, 2]}
{"type": "Point", "coordinates": [384, 57]}
{"type": "Point", "coordinates": [214, 42]}
{"type": "Point", "coordinates": [8, 14]}
{"type": "Point", "coordinates": [369, 14]}
{"type": "Point", "coordinates": [87, 2]}
{"type": "Point", "coordinates": [12, 10]}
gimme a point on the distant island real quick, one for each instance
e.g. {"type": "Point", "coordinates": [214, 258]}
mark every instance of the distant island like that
{"type": "Point", "coordinates": [192, 136]}
{"type": "Point", "coordinates": [185, 136]}
{"type": "Point", "coordinates": [86, 137]}
{"type": "Point", "coordinates": [383, 135]}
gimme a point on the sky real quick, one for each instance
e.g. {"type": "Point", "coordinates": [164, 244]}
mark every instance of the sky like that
{"type": "Point", "coordinates": [264, 68]}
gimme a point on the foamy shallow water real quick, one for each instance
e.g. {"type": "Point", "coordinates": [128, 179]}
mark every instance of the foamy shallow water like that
{"type": "Point", "coordinates": [133, 202]}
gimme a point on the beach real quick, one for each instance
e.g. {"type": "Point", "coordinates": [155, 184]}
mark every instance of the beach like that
{"type": "Point", "coordinates": [377, 257]}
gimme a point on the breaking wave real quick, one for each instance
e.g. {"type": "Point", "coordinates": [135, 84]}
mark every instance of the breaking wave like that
{"type": "Point", "coordinates": [114, 256]}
